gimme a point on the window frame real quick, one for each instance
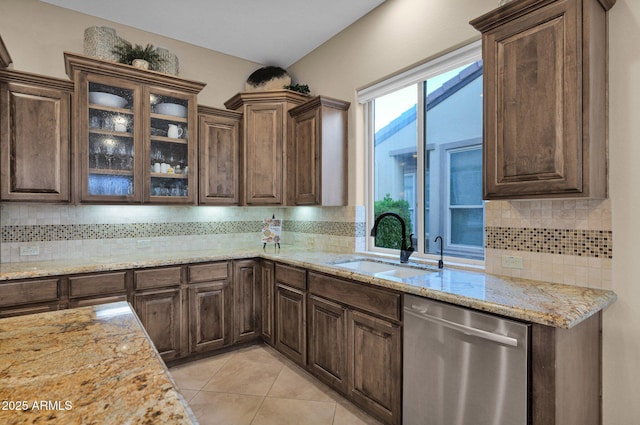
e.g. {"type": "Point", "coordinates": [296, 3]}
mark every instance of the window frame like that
{"type": "Point", "coordinates": [415, 76]}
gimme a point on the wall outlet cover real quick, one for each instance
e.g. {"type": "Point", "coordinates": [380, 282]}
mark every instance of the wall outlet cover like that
{"type": "Point", "coordinates": [511, 262]}
{"type": "Point", "coordinates": [30, 250]}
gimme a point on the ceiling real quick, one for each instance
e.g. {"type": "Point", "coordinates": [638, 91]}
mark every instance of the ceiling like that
{"type": "Point", "coordinates": [273, 32]}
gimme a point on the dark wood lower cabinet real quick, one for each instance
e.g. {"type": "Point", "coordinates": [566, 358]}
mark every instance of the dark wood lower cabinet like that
{"type": "Point", "coordinates": [210, 316]}
{"type": "Point", "coordinates": [161, 315]}
{"type": "Point", "coordinates": [291, 335]}
{"type": "Point", "coordinates": [355, 343]}
{"type": "Point", "coordinates": [347, 334]}
{"type": "Point", "coordinates": [566, 374]}
{"type": "Point", "coordinates": [375, 356]}
{"type": "Point", "coordinates": [327, 355]}
{"type": "Point", "coordinates": [246, 294]}
{"type": "Point", "coordinates": [268, 288]}
{"type": "Point", "coordinates": [30, 296]}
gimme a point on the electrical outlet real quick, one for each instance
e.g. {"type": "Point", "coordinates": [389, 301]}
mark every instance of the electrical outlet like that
{"type": "Point", "coordinates": [311, 242]}
{"type": "Point", "coordinates": [30, 250]}
{"type": "Point", "coordinates": [511, 262]}
{"type": "Point", "coordinates": [143, 243]}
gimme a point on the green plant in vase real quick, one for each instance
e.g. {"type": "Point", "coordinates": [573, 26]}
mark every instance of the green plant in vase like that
{"type": "Point", "coordinates": [141, 57]}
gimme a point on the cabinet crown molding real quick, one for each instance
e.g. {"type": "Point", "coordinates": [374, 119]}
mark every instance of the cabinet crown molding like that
{"type": "Point", "coordinates": [21, 77]}
{"type": "Point", "coordinates": [517, 8]}
{"type": "Point", "coordinates": [318, 101]}
{"type": "Point", "coordinates": [74, 62]}
{"type": "Point", "coordinates": [265, 97]}
{"type": "Point", "coordinates": [207, 110]}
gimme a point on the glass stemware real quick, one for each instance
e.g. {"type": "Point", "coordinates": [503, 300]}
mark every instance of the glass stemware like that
{"type": "Point", "coordinates": [121, 154]}
{"type": "Point", "coordinates": [109, 148]}
{"type": "Point", "coordinates": [96, 151]}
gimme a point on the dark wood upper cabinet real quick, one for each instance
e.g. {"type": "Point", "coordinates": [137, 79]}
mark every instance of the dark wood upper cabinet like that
{"type": "Point", "coordinates": [219, 156]}
{"type": "Point", "coordinates": [135, 133]}
{"type": "Point", "coordinates": [35, 138]}
{"type": "Point", "coordinates": [545, 99]}
{"type": "Point", "coordinates": [317, 159]}
{"type": "Point", "coordinates": [265, 134]}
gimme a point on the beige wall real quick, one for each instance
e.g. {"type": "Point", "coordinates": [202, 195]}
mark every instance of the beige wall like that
{"type": "Point", "coordinates": [36, 34]}
{"type": "Point", "coordinates": [403, 32]}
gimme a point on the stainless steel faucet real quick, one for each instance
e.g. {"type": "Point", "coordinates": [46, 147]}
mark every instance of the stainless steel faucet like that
{"type": "Point", "coordinates": [405, 251]}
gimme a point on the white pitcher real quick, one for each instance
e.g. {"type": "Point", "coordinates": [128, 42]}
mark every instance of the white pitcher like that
{"type": "Point", "coordinates": [174, 131]}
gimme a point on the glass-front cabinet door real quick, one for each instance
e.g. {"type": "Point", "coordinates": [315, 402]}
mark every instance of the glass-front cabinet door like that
{"type": "Point", "coordinates": [135, 134]}
{"type": "Point", "coordinates": [169, 155]}
{"type": "Point", "coordinates": [109, 143]}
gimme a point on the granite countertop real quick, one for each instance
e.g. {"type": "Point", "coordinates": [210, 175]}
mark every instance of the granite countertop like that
{"type": "Point", "coordinates": [84, 365]}
{"type": "Point", "coordinates": [556, 305]}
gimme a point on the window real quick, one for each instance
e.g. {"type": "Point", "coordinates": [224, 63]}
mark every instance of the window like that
{"type": "Point", "coordinates": [425, 155]}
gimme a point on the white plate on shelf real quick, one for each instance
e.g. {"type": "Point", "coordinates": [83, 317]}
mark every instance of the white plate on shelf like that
{"type": "Point", "coordinates": [106, 99]}
{"type": "Point", "coordinates": [172, 109]}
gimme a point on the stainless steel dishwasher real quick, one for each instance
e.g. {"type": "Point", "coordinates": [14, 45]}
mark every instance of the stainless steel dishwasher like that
{"type": "Point", "coordinates": [462, 367]}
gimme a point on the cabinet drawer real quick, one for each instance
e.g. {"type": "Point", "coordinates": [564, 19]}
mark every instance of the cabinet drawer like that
{"type": "Point", "coordinates": [208, 272]}
{"type": "Point", "coordinates": [157, 278]}
{"type": "Point", "coordinates": [97, 301]}
{"type": "Point", "coordinates": [374, 300]}
{"type": "Point", "coordinates": [98, 284]}
{"type": "Point", "coordinates": [33, 291]}
{"type": "Point", "coordinates": [291, 276]}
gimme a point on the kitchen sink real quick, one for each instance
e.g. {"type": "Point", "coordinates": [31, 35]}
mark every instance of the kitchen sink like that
{"type": "Point", "coordinates": [380, 269]}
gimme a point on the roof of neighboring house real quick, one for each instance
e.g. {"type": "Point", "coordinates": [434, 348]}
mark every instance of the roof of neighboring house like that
{"type": "Point", "coordinates": [463, 78]}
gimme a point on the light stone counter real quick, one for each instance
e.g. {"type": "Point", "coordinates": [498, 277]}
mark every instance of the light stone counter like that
{"type": "Point", "coordinates": [550, 304]}
{"type": "Point", "coordinates": [89, 365]}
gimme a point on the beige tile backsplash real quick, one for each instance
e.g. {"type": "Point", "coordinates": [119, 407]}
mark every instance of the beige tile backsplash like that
{"type": "Point", "coordinates": [584, 224]}
{"type": "Point", "coordinates": [527, 229]}
{"type": "Point", "coordinates": [62, 232]}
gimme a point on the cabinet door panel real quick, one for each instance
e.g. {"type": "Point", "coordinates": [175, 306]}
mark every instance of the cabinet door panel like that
{"type": "Point", "coordinates": [291, 335]}
{"type": "Point", "coordinates": [267, 284]}
{"type": "Point", "coordinates": [375, 356]}
{"type": "Point", "coordinates": [35, 142]}
{"type": "Point", "coordinates": [161, 315]}
{"type": "Point", "coordinates": [264, 144]}
{"type": "Point", "coordinates": [219, 143]}
{"type": "Point", "coordinates": [306, 157]}
{"type": "Point", "coordinates": [210, 312]}
{"type": "Point", "coordinates": [246, 292]}
{"type": "Point", "coordinates": [327, 342]}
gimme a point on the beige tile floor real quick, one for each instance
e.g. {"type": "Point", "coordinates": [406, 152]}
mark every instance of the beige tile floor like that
{"type": "Point", "coordinates": [256, 385]}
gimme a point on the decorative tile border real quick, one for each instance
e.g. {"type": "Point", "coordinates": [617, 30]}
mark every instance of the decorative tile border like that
{"type": "Point", "coordinates": [584, 243]}
{"type": "Point", "coordinates": [332, 228]}
{"type": "Point", "coordinates": [68, 232]}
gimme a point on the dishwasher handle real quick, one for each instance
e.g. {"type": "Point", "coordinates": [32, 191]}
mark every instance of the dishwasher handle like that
{"type": "Point", "coordinates": [467, 330]}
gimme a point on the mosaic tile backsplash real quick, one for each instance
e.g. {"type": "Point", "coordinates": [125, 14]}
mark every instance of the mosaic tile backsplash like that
{"type": "Point", "coordinates": [583, 243]}
{"type": "Point", "coordinates": [67, 232]}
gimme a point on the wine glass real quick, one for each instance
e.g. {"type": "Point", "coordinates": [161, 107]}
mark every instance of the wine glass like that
{"type": "Point", "coordinates": [121, 154]}
{"type": "Point", "coordinates": [109, 149]}
{"type": "Point", "coordinates": [158, 156]}
{"type": "Point", "coordinates": [96, 151]}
